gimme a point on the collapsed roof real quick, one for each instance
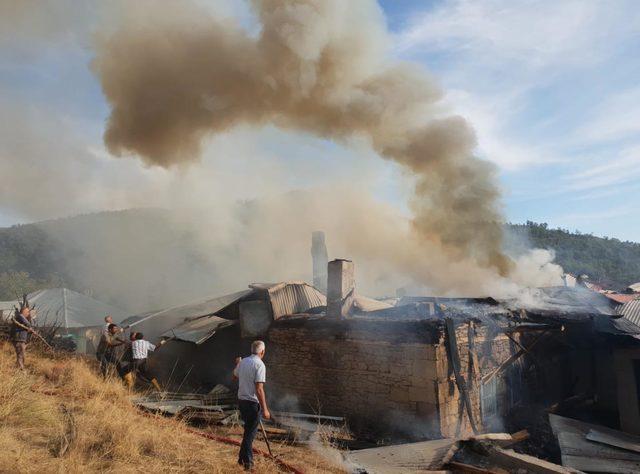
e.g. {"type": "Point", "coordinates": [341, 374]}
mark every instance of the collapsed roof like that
{"type": "Point", "coordinates": [199, 321]}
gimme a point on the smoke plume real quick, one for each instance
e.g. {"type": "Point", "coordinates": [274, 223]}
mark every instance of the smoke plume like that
{"type": "Point", "coordinates": [178, 75]}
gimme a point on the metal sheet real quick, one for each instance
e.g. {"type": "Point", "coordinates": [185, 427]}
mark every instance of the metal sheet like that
{"type": "Point", "coordinates": [424, 456]}
{"type": "Point", "coordinates": [158, 323]}
{"type": "Point", "coordinates": [294, 297]}
{"type": "Point", "coordinates": [579, 453]}
{"type": "Point", "coordinates": [631, 311]}
{"type": "Point", "coordinates": [199, 330]}
{"type": "Point", "coordinates": [70, 309]}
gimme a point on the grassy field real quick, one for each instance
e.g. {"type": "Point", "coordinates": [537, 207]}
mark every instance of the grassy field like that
{"type": "Point", "coordinates": [60, 416]}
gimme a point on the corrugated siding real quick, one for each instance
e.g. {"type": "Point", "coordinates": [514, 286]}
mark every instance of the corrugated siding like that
{"type": "Point", "coordinates": [631, 311]}
{"type": "Point", "coordinates": [292, 298]}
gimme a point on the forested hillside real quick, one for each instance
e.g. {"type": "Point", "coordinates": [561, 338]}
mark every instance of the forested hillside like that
{"type": "Point", "coordinates": [91, 253]}
{"type": "Point", "coordinates": [611, 262]}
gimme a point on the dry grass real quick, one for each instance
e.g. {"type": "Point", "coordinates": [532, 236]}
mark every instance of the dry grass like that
{"type": "Point", "coordinates": [59, 416]}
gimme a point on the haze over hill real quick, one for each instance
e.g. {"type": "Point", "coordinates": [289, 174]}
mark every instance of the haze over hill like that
{"type": "Point", "coordinates": [143, 259]}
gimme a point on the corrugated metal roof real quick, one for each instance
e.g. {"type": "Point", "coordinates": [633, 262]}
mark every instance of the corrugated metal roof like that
{"type": "Point", "coordinates": [157, 323]}
{"type": "Point", "coordinates": [292, 297]}
{"type": "Point", "coordinates": [199, 330]}
{"type": "Point", "coordinates": [631, 311]}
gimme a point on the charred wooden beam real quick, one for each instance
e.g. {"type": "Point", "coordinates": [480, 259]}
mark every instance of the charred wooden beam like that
{"type": "Point", "coordinates": [454, 358]}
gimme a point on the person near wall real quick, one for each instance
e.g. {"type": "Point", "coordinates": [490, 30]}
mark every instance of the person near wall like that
{"type": "Point", "coordinates": [251, 374]}
{"type": "Point", "coordinates": [106, 352]}
{"type": "Point", "coordinates": [139, 352]}
{"type": "Point", "coordinates": [20, 331]}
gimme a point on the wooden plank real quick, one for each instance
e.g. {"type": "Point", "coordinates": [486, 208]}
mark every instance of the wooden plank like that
{"type": "Point", "coordinates": [587, 464]}
{"type": "Point", "coordinates": [454, 357]}
{"type": "Point", "coordinates": [285, 414]}
{"type": "Point", "coordinates": [621, 440]}
{"type": "Point", "coordinates": [493, 437]}
{"type": "Point", "coordinates": [519, 436]}
{"type": "Point", "coordinates": [468, 468]}
{"type": "Point", "coordinates": [503, 439]}
{"type": "Point", "coordinates": [574, 444]}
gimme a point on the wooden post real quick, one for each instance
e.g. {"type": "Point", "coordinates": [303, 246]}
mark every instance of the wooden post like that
{"type": "Point", "coordinates": [454, 358]}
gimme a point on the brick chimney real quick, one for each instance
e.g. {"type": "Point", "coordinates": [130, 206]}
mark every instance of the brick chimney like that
{"type": "Point", "coordinates": [340, 288]}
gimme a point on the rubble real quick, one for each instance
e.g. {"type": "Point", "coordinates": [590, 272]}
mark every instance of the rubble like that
{"type": "Point", "coordinates": [594, 448]}
{"type": "Point", "coordinates": [220, 407]}
{"type": "Point", "coordinates": [482, 454]}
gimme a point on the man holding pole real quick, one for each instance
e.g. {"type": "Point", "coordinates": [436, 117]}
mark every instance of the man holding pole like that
{"type": "Point", "coordinates": [252, 402]}
{"type": "Point", "coordinates": [20, 330]}
{"type": "Point", "coordinates": [106, 349]}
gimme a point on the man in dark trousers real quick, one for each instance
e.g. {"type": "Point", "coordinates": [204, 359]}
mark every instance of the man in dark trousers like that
{"type": "Point", "coordinates": [252, 403]}
{"type": "Point", "coordinates": [140, 348]}
{"type": "Point", "coordinates": [106, 348]}
{"type": "Point", "coordinates": [20, 330]}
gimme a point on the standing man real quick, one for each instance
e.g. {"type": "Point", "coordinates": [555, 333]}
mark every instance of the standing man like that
{"type": "Point", "coordinates": [106, 349]}
{"type": "Point", "coordinates": [251, 374]}
{"type": "Point", "coordinates": [20, 330]}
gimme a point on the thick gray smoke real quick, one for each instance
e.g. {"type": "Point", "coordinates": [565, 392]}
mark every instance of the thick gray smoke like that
{"type": "Point", "coordinates": [175, 76]}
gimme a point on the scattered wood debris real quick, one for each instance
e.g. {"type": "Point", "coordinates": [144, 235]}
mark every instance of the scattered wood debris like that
{"type": "Point", "coordinates": [219, 407]}
{"type": "Point", "coordinates": [594, 448]}
{"type": "Point", "coordinates": [480, 454]}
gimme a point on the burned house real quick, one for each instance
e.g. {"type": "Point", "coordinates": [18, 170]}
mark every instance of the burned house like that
{"type": "Point", "coordinates": [426, 367]}
{"type": "Point", "coordinates": [448, 367]}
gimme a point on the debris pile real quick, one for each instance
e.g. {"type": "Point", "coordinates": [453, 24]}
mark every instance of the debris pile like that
{"type": "Point", "coordinates": [220, 407]}
{"type": "Point", "coordinates": [595, 448]}
{"type": "Point", "coordinates": [482, 454]}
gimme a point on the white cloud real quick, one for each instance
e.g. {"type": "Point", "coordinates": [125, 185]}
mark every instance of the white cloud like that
{"type": "Point", "coordinates": [617, 117]}
{"type": "Point", "coordinates": [490, 117]}
{"type": "Point", "coordinates": [605, 172]}
{"type": "Point", "coordinates": [497, 54]}
{"type": "Point", "coordinates": [533, 33]}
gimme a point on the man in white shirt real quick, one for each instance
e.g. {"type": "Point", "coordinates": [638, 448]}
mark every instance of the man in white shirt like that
{"type": "Point", "coordinates": [139, 351]}
{"type": "Point", "coordinates": [252, 375]}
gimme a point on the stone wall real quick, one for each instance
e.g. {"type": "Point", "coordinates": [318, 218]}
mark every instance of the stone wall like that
{"type": "Point", "coordinates": [394, 374]}
{"type": "Point", "coordinates": [378, 374]}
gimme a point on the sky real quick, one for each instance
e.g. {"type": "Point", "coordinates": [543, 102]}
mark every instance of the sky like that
{"type": "Point", "coordinates": [551, 88]}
